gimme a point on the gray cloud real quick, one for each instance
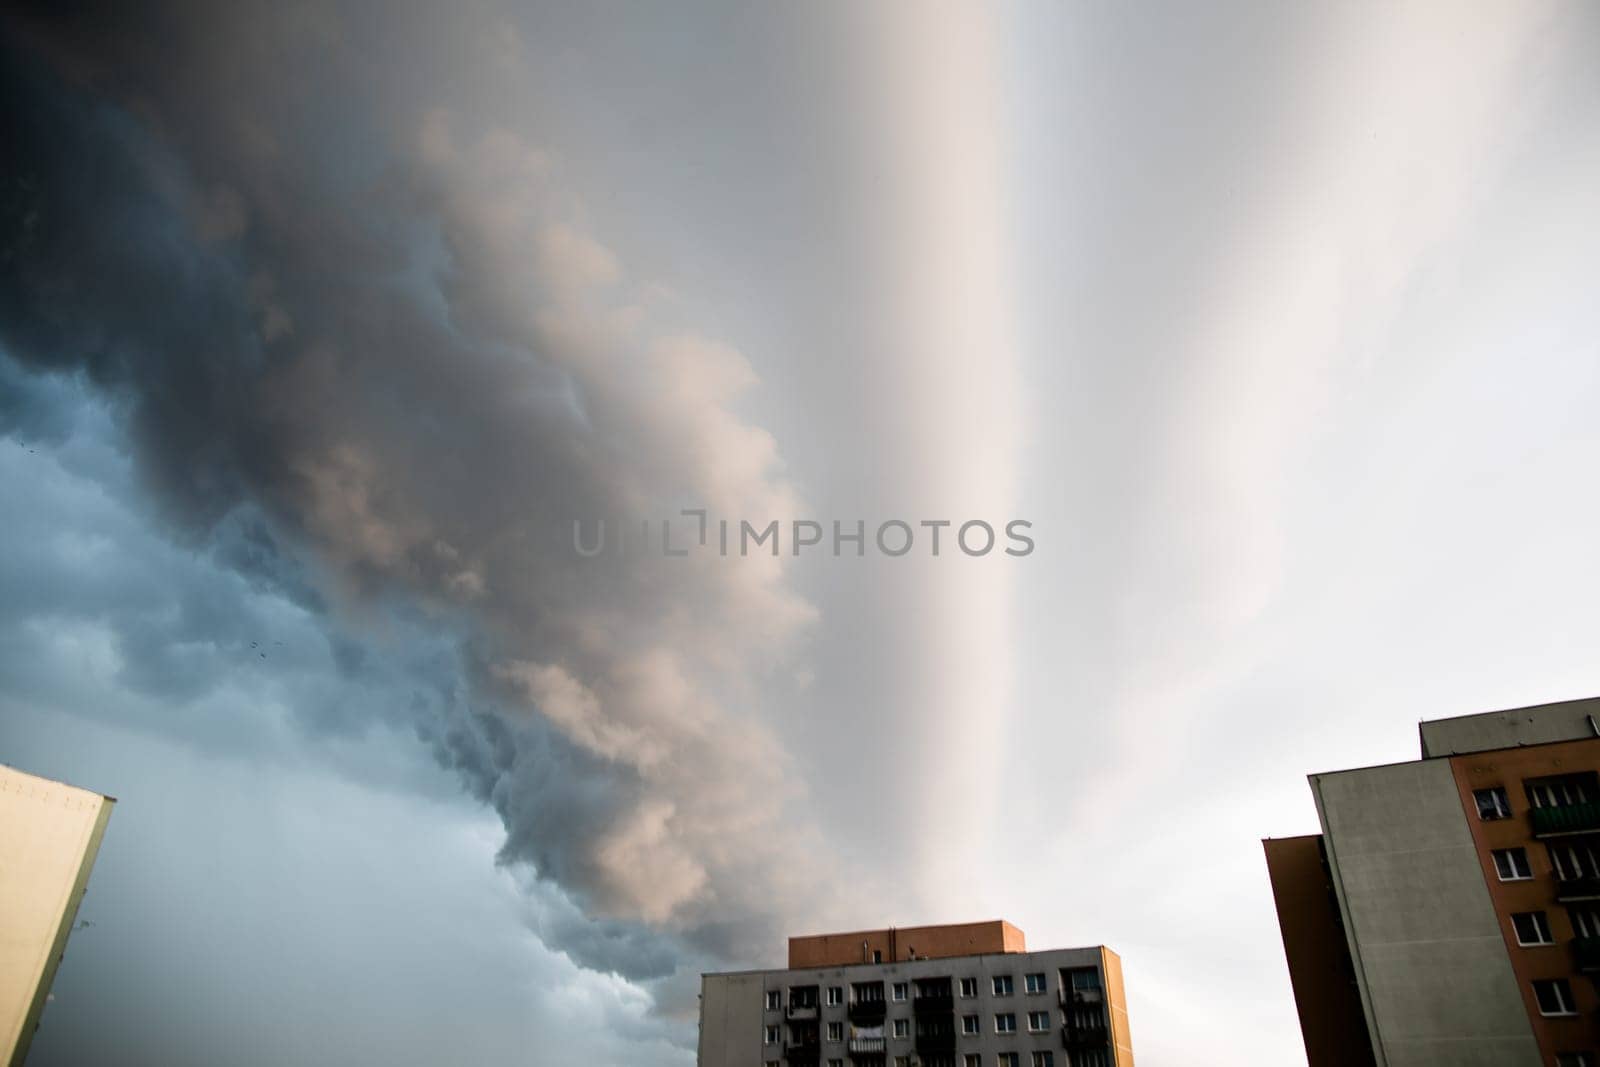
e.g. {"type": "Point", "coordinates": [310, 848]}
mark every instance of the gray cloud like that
{"type": "Point", "coordinates": [370, 356]}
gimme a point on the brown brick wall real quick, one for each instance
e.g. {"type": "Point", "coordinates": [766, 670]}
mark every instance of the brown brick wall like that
{"type": "Point", "coordinates": [1325, 993]}
{"type": "Point", "coordinates": [1509, 768]}
{"type": "Point", "coordinates": [898, 943]}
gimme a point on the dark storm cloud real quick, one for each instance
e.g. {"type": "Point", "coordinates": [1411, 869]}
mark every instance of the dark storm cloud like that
{"type": "Point", "coordinates": [206, 652]}
{"type": "Point", "coordinates": [368, 356]}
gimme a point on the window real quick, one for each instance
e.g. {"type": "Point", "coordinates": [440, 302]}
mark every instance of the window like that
{"type": "Point", "coordinates": [1006, 1059]}
{"type": "Point", "coordinates": [969, 987]}
{"type": "Point", "coordinates": [1083, 981]}
{"type": "Point", "coordinates": [1574, 1059]}
{"type": "Point", "coordinates": [877, 955]}
{"type": "Point", "coordinates": [1554, 996]}
{"type": "Point", "coordinates": [1044, 1059]}
{"type": "Point", "coordinates": [1033, 983]}
{"type": "Point", "coordinates": [1084, 1017]}
{"type": "Point", "coordinates": [1512, 864]}
{"type": "Point", "coordinates": [969, 1024]}
{"type": "Point", "coordinates": [1532, 928]}
{"type": "Point", "coordinates": [900, 991]}
{"type": "Point", "coordinates": [1005, 1023]}
{"type": "Point", "coordinates": [773, 1063]}
{"type": "Point", "coordinates": [1492, 803]}
{"type": "Point", "coordinates": [835, 995]}
{"type": "Point", "coordinates": [836, 1031]}
{"type": "Point", "coordinates": [772, 1035]}
{"type": "Point", "coordinates": [868, 992]}
{"type": "Point", "coordinates": [902, 1061]}
{"type": "Point", "coordinates": [835, 1063]}
{"type": "Point", "coordinates": [1002, 985]}
{"type": "Point", "coordinates": [1561, 792]}
{"type": "Point", "coordinates": [902, 1028]}
{"type": "Point", "coordinates": [774, 1000]}
{"type": "Point", "coordinates": [972, 1059]}
{"type": "Point", "coordinates": [1574, 861]}
{"type": "Point", "coordinates": [1585, 919]}
{"type": "Point", "coordinates": [1038, 1022]}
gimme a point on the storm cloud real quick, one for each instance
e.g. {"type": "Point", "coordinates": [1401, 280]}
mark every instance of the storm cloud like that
{"type": "Point", "coordinates": [367, 350]}
{"type": "Point", "coordinates": [321, 324]}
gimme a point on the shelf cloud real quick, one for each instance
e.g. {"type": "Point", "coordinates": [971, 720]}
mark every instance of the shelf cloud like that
{"type": "Point", "coordinates": [389, 334]}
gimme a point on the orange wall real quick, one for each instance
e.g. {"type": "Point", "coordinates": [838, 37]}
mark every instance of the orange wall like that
{"type": "Point", "coordinates": [1508, 768]}
{"type": "Point", "coordinates": [1117, 1008]}
{"type": "Point", "coordinates": [898, 943]}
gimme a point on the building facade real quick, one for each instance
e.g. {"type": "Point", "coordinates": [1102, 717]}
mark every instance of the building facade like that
{"type": "Point", "coordinates": [1449, 912]}
{"type": "Point", "coordinates": [968, 995]}
{"type": "Point", "coordinates": [49, 836]}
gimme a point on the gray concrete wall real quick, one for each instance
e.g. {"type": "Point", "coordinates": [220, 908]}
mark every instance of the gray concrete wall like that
{"type": "Point", "coordinates": [1566, 721]}
{"type": "Point", "coordinates": [730, 1035]}
{"type": "Point", "coordinates": [1436, 982]}
{"type": "Point", "coordinates": [731, 1018]}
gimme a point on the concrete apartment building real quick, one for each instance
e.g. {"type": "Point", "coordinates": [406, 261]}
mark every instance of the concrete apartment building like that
{"type": "Point", "coordinates": [1449, 913]}
{"type": "Point", "coordinates": [966, 995]}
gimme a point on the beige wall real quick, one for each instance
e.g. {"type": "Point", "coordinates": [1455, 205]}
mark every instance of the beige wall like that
{"type": "Point", "coordinates": [49, 834]}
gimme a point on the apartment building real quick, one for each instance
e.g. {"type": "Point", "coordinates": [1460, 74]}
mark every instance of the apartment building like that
{"type": "Point", "coordinates": [50, 834]}
{"type": "Point", "coordinates": [1449, 913]}
{"type": "Point", "coordinates": [965, 995]}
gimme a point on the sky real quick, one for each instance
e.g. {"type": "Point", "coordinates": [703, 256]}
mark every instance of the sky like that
{"type": "Point", "coordinates": [322, 325]}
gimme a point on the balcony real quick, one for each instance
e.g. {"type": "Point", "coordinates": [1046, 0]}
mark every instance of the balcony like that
{"type": "Point", "coordinates": [803, 1044]}
{"type": "Point", "coordinates": [868, 1046]}
{"type": "Point", "coordinates": [1567, 819]}
{"type": "Point", "coordinates": [1085, 1036]}
{"type": "Point", "coordinates": [1571, 890]}
{"type": "Point", "coordinates": [1586, 953]}
{"type": "Point", "coordinates": [932, 1003]}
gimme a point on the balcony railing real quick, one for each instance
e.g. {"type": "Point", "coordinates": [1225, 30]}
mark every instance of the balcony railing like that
{"type": "Point", "coordinates": [1586, 953]}
{"type": "Point", "coordinates": [1567, 819]}
{"type": "Point", "coordinates": [802, 1011]}
{"type": "Point", "coordinates": [1092, 1035]}
{"type": "Point", "coordinates": [868, 1045]}
{"type": "Point", "coordinates": [1092, 995]}
{"type": "Point", "coordinates": [934, 1002]}
{"type": "Point", "coordinates": [936, 1044]}
{"type": "Point", "coordinates": [1569, 890]}
{"type": "Point", "coordinates": [866, 1010]}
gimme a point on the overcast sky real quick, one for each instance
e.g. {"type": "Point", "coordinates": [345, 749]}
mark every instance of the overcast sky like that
{"type": "Point", "coordinates": [320, 325]}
